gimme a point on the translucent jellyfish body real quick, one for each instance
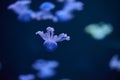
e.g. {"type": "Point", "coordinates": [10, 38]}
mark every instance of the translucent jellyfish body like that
{"type": "Point", "coordinates": [115, 63]}
{"type": "Point", "coordinates": [47, 6]}
{"type": "Point", "coordinates": [72, 5]}
{"type": "Point", "coordinates": [45, 68]}
{"type": "Point", "coordinates": [20, 7]}
{"type": "Point", "coordinates": [99, 31]}
{"type": "Point", "coordinates": [27, 77]}
{"type": "Point", "coordinates": [63, 15]}
{"type": "Point", "coordinates": [51, 40]}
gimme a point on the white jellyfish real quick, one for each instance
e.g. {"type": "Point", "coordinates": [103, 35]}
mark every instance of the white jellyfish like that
{"type": "Point", "coordinates": [19, 7]}
{"type": "Point", "coordinates": [64, 15]}
{"type": "Point", "coordinates": [99, 31]}
{"type": "Point", "coordinates": [72, 5]}
{"type": "Point", "coordinates": [45, 68]}
{"type": "Point", "coordinates": [115, 63]}
{"type": "Point", "coordinates": [51, 40]}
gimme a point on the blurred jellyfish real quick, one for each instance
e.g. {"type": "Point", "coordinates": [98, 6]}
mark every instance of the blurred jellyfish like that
{"type": "Point", "coordinates": [19, 7]}
{"type": "Point", "coordinates": [99, 31]}
{"type": "Point", "coordinates": [47, 6]}
{"type": "Point", "coordinates": [63, 15]}
{"type": "Point", "coordinates": [66, 14]}
{"type": "Point", "coordinates": [51, 40]}
{"type": "Point", "coordinates": [45, 68]}
{"type": "Point", "coordinates": [115, 63]}
{"type": "Point", "coordinates": [27, 77]}
{"type": "Point", "coordinates": [72, 5]}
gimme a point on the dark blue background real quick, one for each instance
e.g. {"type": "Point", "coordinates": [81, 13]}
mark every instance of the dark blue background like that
{"type": "Point", "coordinates": [81, 58]}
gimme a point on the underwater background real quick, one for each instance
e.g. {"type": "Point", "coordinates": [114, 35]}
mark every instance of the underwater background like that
{"type": "Point", "coordinates": [81, 58]}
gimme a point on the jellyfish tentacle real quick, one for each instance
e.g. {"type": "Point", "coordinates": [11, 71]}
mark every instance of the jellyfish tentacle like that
{"type": "Point", "coordinates": [41, 34]}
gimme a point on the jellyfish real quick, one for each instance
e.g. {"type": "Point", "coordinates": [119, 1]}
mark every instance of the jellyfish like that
{"type": "Point", "coordinates": [47, 6]}
{"type": "Point", "coordinates": [99, 31]}
{"type": "Point", "coordinates": [19, 7]}
{"type": "Point", "coordinates": [72, 5]}
{"type": "Point", "coordinates": [63, 15]}
{"type": "Point", "coordinates": [45, 68]}
{"type": "Point", "coordinates": [27, 77]}
{"type": "Point", "coordinates": [51, 40]}
{"type": "Point", "coordinates": [115, 63]}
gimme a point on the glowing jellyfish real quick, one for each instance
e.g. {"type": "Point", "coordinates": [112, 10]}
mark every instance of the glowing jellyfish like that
{"type": "Point", "coordinates": [51, 40]}
{"type": "Point", "coordinates": [45, 68]}
{"type": "Point", "coordinates": [72, 5]}
{"type": "Point", "coordinates": [99, 31]}
{"type": "Point", "coordinates": [115, 63]}
{"type": "Point", "coordinates": [64, 15]}
{"type": "Point", "coordinates": [27, 77]}
{"type": "Point", "coordinates": [47, 6]}
{"type": "Point", "coordinates": [20, 7]}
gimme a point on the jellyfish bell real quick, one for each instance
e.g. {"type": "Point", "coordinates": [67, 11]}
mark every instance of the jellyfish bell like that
{"type": "Point", "coordinates": [47, 6]}
{"type": "Point", "coordinates": [50, 46]}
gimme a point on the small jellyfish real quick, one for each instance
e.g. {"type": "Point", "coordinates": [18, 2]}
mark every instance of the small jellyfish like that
{"type": "Point", "coordinates": [45, 68]}
{"type": "Point", "coordinates": [47, 6]}
{"type": "Point", "coordinates": [51, 40]}
{"type": "Point", "coordinates": [115, 63]}
{"type": "Point", "coordinates": [64, 15]}
{"type": "Point", "coordinates": [72, 6]}
{"type": "Point", "coordinates": [19, 7]}
{"type": "Point", "coordinates": [27, 77]}
{"type": "Point", "coordinates": [99, 31]}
